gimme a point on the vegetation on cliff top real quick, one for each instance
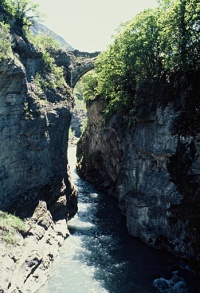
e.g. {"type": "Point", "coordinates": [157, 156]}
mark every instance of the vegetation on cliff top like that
{"type": "Point", "coordinates": [17, 17]}
{"type": "Point", "coordinates": [22, 12]}
{"type": "Point", "coordinates": [5, 41]}
{"type": "Point", "coordinates": [16, 42]}
{"type": "Point", "coordinates": [89, 84]}
{"type": "Point", "coordinates": [148, 53]}
{"type": "Point", "coordinates": [52, 76]}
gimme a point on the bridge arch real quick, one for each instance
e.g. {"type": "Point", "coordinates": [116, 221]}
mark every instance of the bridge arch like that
{"type": "Point", "coordinates": [79, 71]}
{"type": "Point", "coordinates": [81, 63]}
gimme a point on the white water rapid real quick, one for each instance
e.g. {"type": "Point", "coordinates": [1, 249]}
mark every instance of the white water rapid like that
{"type": "Point", "coordinates": [99, 256]}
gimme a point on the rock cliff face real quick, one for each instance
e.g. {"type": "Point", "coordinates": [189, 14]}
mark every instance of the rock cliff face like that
{"type": "Point", "coordinates": [33, 169]}
{"type": "Point", "coordinates": [34, 135]}
{"type": "Point", "coordinates": [152, 167]}
{"type": "Point", "coordinates": [25, 266]}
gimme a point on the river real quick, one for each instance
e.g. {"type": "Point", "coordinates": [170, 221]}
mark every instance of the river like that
{"type": "Point", "coordinates": [100, 256]}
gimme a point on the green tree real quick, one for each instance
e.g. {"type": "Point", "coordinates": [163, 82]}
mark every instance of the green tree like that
{"type": "Point", "coordinates": [142, 45]}
{"type": "Point", "coordinates": [24, 13]}
{"type": "Point", "coordinates": [145, 50]}
{"type": "Point", "coordinates": [6, 9]}
{"type": "Point", "coordinates": [180, 28]}
{"type": "Point", "coordinates": [89, 82]}
{"type": "Point", "coordinates": [133, 56]}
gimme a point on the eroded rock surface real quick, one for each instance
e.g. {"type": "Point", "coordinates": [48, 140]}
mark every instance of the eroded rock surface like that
{"type": "Point", "coordinates": [34, 136]}
{"type": "Point", "coordinates": [25, 264]}
{"type": "Point", "coordinates": [152, 166]}
{"type": "Point", "coordinates": [35, 183]}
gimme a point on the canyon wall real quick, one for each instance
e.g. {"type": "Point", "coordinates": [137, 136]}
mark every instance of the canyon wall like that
{"type": "Point", "coordinates": [35, 116]}
{"type": "Point", "coordinates": [152, 165]}
{"type": "Point", "coordinates": [34, 135]}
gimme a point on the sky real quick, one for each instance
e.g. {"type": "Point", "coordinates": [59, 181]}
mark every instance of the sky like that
{"type": "Point", "coordinates": [88, 25]}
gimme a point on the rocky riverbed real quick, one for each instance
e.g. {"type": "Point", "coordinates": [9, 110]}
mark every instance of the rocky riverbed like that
{"type": "Point", "coordinates": [25, 262]}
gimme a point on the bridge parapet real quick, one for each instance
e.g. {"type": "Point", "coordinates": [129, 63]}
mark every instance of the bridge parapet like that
{"type": "Point", "coordinates": [80, 69]}
{"type": "Point", "coordinates": [81, 64]}
{"type": "Point", "coordinates": [74, 63]}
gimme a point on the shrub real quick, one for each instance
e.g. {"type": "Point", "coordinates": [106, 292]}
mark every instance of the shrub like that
{"type": "Point", "coordinates": [52, 76]}
{"type": "Point", "coordinates": [10, 225]}
{"type": "Point", "coordinates": [5, 41]}
{"type": "Point", "coordinates": [89, 82]}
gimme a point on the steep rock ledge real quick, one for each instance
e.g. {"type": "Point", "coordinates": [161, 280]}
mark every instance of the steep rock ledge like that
{"type": "Point", "coordinates": [152, 168]}
{"type": "Point", "coordinates": [25, 264]}
{"type": "Point", "coordinates": [34, 139]}
{"type": "Point", "coordinates": [35, 183]}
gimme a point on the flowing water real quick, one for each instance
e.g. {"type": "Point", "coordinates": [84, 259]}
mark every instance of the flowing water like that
{"type": "Point", "coordinates": [99, 256]}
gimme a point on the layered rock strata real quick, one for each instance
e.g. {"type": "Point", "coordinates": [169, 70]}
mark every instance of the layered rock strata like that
{"type": "Point", "coordinates": [34, 127]}
{"type": "Point", "coordinates": [26, 262]}
{"type": "Point", "coordinates": [34, 136]}
{"type": "Point", "coordinates": [152, 165]}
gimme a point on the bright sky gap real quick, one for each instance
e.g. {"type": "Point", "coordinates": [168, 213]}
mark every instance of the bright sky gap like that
{"type": "Point", "coordinates": [88, 25]}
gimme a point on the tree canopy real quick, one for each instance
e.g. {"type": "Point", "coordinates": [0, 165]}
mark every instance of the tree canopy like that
{"type": "Point", "coordinates": [155, 44]}
{"type": "Point", "coordinates": [23, 12]}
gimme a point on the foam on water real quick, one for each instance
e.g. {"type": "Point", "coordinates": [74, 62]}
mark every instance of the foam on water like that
{"type": "Point", "coordinates": [99, 256]}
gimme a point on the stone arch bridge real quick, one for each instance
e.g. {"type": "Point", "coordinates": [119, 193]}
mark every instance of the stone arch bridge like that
{"type": "Point", "coordinates": [81, 63]}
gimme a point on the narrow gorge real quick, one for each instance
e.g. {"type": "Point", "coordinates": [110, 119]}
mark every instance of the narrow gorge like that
{"type": "Point", "coordinates": [140, 149]}
{"type": "Point", "coordinates": [151, 167]}
{"type": "Point", "coordinates": [36, 106]}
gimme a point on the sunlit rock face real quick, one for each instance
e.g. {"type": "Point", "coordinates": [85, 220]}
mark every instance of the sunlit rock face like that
{"type": "Point", "coordinates": [34, 135]}
{"type": "Point", "coordinates": [152, 167]}
{"type": "Point", "coordinates": [25, 266]}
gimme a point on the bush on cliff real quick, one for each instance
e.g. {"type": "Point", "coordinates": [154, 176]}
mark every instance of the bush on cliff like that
{"type": "Point", "coordinates": [52, 76]}
{"type": "Point", "coordinates": [10, 226]}
{"type": "Point", "coordinates": [23, 12]}
{"type": "Point", "coordinates": [5, 41]}
{"type": "Point", "coordinates": [89, 82]}
{"type": "Point", "coordinates": [18, 16]}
